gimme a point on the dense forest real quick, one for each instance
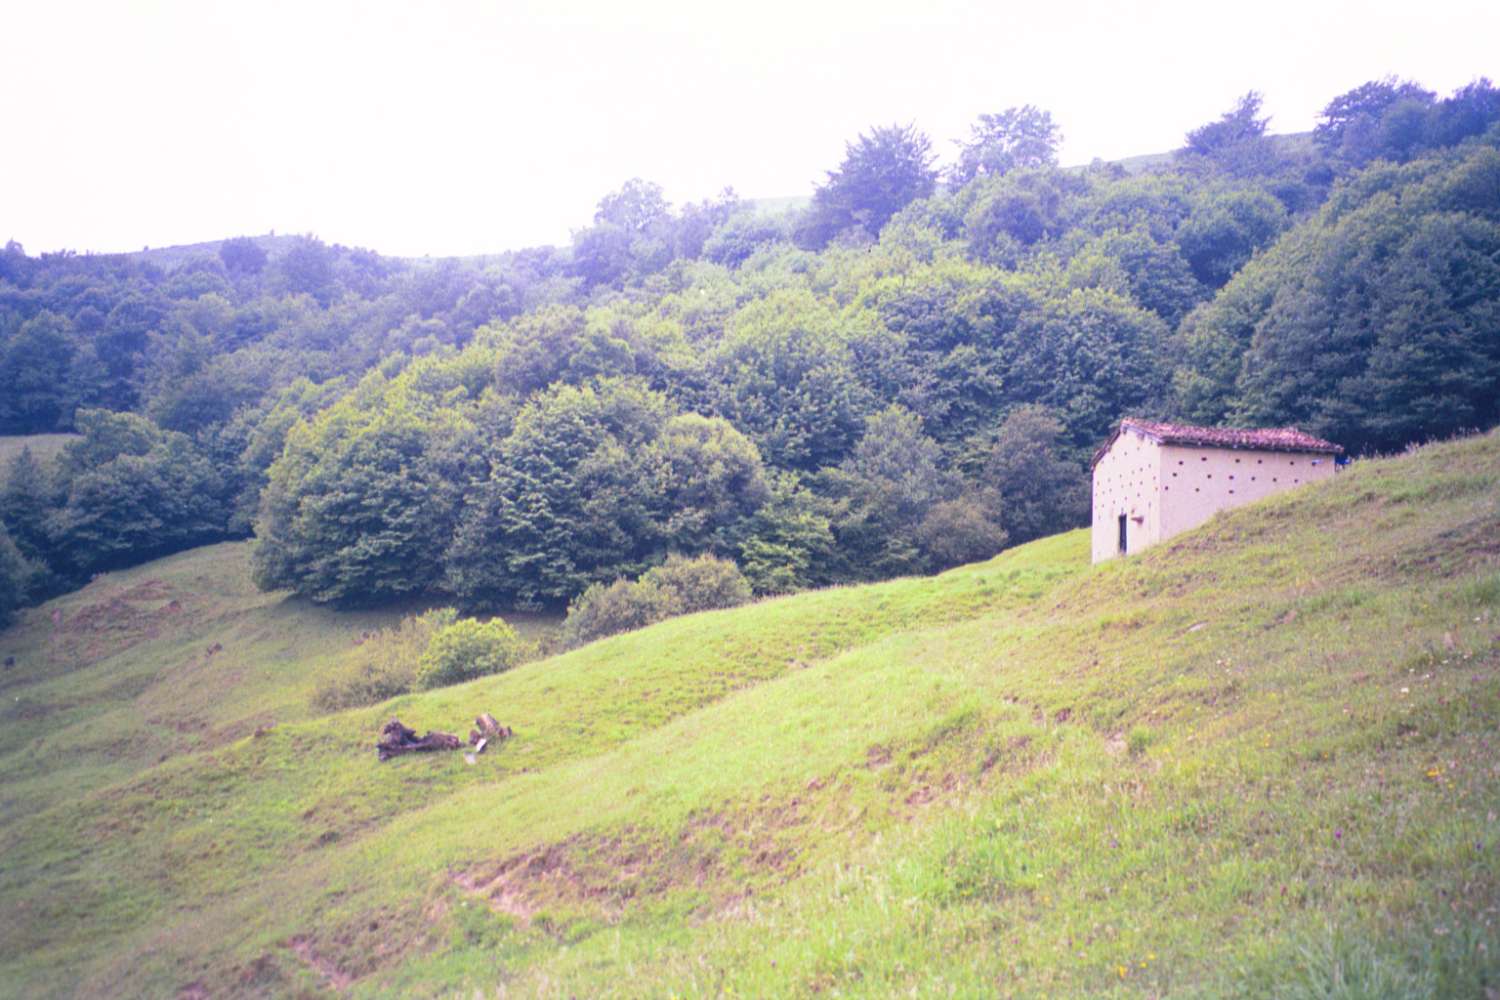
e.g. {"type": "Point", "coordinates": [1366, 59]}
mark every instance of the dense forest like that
{"type": "Point", "coordinates": [907, 374]}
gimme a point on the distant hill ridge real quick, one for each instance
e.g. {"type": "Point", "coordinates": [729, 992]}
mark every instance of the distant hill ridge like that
{"type": "Point", "coordinates": [275, 245]}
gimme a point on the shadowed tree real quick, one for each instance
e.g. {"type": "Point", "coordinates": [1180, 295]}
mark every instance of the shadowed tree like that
{"type": "Point", "coordinates": [1226, 229]}
{"type": "Point", "coordinates": [307, 268]}
{"type": "Point", "coordinates": [889, 484]}
{"type": "Point", "coordinates": [26, 500]}
{"type": "Point", "coordinates": [1238, 125]}
{"type": "Point", "coordinates": [1041, 491]}
{"type": "Point", "coordinates": [1353, 126]}
{"type": "Point", "coordinates": [15, 579]}
{"type": "Point", "coordinates": [242, 257]}
{"type": "Point", "coordinates": [1016, 211]}
{"type": "Point", "coordinates": [34, 371]}
{"type": "Point", "coordinates": [1470, 111]}
{"type": "Point", "coordinates": [134, 492]}
{"type": "Point", "coordinates": [632, 236]}
{"type": "Point", "coordinates": [359, 506]}
{"type": "Point", "coordinates": [1373, 324]}
{"type": "Point", "coordinates": [882, 173]}
{"type": "Point", "coordinates": [574, 497]}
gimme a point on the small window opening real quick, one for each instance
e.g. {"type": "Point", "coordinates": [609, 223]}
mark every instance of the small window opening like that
{"type": "Point", "coordinates": [1123, 522]}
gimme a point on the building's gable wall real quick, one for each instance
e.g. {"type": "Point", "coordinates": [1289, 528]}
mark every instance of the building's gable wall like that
{"type": "Point", "coordinates": [1127, 481]}
{"type": "Point", "coordinates": [1197, 481]}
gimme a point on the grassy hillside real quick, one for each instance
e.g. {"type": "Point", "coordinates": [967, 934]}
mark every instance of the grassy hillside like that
{"type": "Point", "coordinates": [1259, 759]}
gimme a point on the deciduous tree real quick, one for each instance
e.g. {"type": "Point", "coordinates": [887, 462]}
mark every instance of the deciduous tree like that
{"type": "Point", "coordinates": [882, 172]}
{"type": "Point", "coordinates": [1018, 138]}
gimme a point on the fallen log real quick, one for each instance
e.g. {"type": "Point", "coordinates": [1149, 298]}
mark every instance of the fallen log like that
{"type": "Point", "coordinates": [489, 731]}
{"type": "Point", "coordinates": [396, 739]}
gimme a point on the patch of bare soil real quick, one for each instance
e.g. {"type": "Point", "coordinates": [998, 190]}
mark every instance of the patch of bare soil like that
{"type": "Point", "coordinates": [921, 796]}
{"type": "Point", "coordinates": [335, 977]}
{"type": "Point", "coordinates": [117, 621]}
{"type": "Point", "coordinates": [725, 852]}
{"type": "Point", "coordinates": [730, 853]}
{"type": "Point", "coordinates": [575, 871]}
{"type": "Point", "coordinates": [1460, 549]}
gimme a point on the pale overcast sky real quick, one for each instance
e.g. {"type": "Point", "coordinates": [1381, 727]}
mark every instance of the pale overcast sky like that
{"type": "Point", "coordinates": [458, 126]}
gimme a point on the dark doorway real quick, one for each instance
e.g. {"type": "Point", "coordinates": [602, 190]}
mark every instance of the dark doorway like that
{"type": "Point", "coordinates": [1122, 534]}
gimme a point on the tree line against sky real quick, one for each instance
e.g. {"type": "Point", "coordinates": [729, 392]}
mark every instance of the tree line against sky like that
{"type": "Point", "coordinates": [905, 374]}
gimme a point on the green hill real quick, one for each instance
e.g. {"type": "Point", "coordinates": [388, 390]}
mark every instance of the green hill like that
{"type": "Point", "coordinates": [1288, 144]}
{"type": "Point", "coordinates": [1259, 759]}
{"type": "Point", "coordinates": [175, 256]}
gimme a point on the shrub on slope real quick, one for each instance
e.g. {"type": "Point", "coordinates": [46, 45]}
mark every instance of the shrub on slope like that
{"type": "Point", "coordinates": [680, 586]}
{"type": "Point", "coordinates": [383, 664]}
{"type": "Point", "coordinates": [465, 649]}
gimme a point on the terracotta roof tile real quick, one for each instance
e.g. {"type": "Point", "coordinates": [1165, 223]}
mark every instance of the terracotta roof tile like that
{"type": "Point", "coordinates": [1261, 439]}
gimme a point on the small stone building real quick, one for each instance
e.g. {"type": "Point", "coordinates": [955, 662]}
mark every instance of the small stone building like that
{"type": "Point", "coordinates": [1153, 480]}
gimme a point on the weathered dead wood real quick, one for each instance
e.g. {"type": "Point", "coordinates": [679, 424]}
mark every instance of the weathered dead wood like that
{"type": "Point", "coordinates": [489, 731]}
{"type": "Point", "coordinates": [396, 739]}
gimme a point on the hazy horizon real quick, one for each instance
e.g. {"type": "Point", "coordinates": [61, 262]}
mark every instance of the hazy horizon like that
{"type": "Point", "coordinates": [468, 128]}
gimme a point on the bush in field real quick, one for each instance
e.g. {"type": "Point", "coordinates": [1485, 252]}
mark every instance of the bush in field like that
{"type": "Point", "coordinates": [699, 584]}
{"type": "Point", "coordinates": [468, 648]}
{"type": "Point", "coordinates": [620, 607]}
{"type": "Point", "coordinates": [383, 665]}
{"type": "Point", "coordinates": [962, 530]}
{"type": "Point", "coordinates": [680, 586]}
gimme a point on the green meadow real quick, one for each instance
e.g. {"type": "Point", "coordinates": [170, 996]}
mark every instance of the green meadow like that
{"type": "Point", "coordinates": [1258, 760]}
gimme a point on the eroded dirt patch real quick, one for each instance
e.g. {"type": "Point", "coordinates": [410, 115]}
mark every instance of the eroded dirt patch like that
{"type": "Point", "coordinates": [720, 856]}
{"type": "Point", "coordinates": [302, 946]}
{"type": "Point", "coordinates": [118, 621]}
